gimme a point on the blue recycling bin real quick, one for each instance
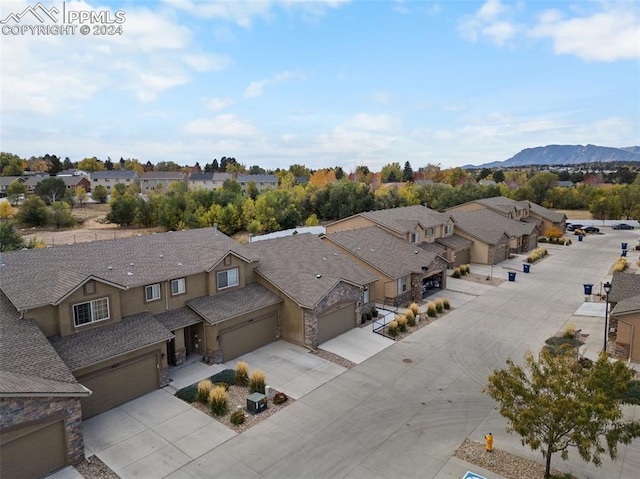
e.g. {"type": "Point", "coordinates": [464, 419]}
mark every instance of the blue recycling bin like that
{"type": "Point", "coordinates": [579, 237]}
{"type": "Point", "coordinates": [624, 253]}
{"type": "Point", "coordinates": [512, 276]}
{"type": "Point", "coordinates": [526, 268]}
{"type": "Point", "coordinates": [587, 289]}
{"type": "Point", "coordinates": [624, 246]}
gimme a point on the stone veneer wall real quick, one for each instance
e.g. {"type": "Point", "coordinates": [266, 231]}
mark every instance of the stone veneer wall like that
{"type": "Point", "coordinates": [180, 356]}
{"type": "Point", "coordinates": [342, 293]}
{"type": "Point", "coordinates": [164, 377]}
{"type": "Point", "coordinates": [17, 411]}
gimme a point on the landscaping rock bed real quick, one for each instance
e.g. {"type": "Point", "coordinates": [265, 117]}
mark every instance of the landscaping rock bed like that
{"type": "Point", "coordinates": [94, 468]}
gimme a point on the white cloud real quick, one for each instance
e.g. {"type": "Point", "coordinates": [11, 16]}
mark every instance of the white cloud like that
{"type": "Point", "coordinates": [489, 21]}
{"type": "Point", "coordinates": [205, 62]}
{"type": "Point", "coordinates": [605, 36]}
{"type": "Point", "coordinates": [223, 125]}
{"type": "Point", "coordinates": [216, 104]}
{"type": "Point", "coordinates": [367, 122]}
{"type": "Point", "coordinates": [256, 88]}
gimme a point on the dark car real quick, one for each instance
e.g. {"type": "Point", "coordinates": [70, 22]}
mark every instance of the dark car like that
{"type": "Point", "coordinates": [574, 226]}
{"type": "Point", "coordinates": [591, 229]}
{"type": "Point", "coordinates": [622, 226]}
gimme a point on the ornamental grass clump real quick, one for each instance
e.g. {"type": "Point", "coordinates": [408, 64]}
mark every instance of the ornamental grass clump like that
{"type": "Point", "coordinates": [620, 265]}
{"type": "Point", "coordinates": [446, 304]}
{"type": "Point", "coordinates": [411, 318]}
{"type": "Point", "coordinates": [257, 382]}
{"type": "Point", "coordinates": [456, 273]}
{"type": "Point", "coordinates": [204, 388]}
{"type": "Point", "coordinates": [402, 323]}
{"type": "Point", "coordinates": [431, 309]}
{"type": "Point", "coordinates": [392, 329]}
{"type": "Point", "coordinates": [414, 308]}
{"type": "Point", "coordinates": [218, 401]}
{"type": "Point", "coordinates": [439, 305]}
{"type": "Point", "coordinates": [242, 373]}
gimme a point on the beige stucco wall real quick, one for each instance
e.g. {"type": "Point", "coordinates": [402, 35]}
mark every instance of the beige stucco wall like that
{"type": "Point", "coordinates": [479, 251]}
{"type": "Point", "coordinates": [629, 334]}
{"type": "Point", "coordinates": [290, 317]}
{"type": "Point", "coordinates": [355, 222]}
{"type": "Point", "coordinates": [65, 309]}
{"type": "Point", "coordinates": [212, 279]}
{"type": "Point", "coordinates": [46, 318]}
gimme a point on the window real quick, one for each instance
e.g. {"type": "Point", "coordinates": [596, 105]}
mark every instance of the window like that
{"type": "Point", "coordinates": [365, 296]}
{"type": "Point", "coordinates": [430, 231]}
{"type": "Point", "coordinates": [415, 237]}
{"type": "Point", "coordinates": [447, 229]}
{"type": "Point", "coordinates": [91, 311]}
{"type": "Point", "coordinates": [402, 284]}
{"type": "Point", "coordinates": [152, 292]}
{"type": "Point", "coordinates": [228, 278]}
{"type": "Point", "coordinates": [178, 286]}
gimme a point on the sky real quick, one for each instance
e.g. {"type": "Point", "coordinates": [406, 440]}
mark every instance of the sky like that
{"type": "Point", "coordinates": [319, 83]}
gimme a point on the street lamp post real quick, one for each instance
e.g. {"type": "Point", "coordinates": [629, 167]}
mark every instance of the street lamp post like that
{"type": "Point", "coordinates": [607, 290]}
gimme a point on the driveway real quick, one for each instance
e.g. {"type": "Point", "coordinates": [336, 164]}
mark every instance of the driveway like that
{"type": "Point", "coordinates": [401, 413]}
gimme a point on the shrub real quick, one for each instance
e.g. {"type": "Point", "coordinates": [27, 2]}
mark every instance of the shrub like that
{"type": "Point", "coordinates": [620, 265]}
{"type": "Point", "coordinates": [446, 304]}
{"type": "Point", "coordinates": [188, 394]}
{"type": "Point", "coordinates": [221, 385]}
{"type": "Point", "coordinates": [569, 331]}
{"type": "Point", "coordinates": [374, 313]}
{"type": "Point", "coordinates": [241, 375]}
{"type": "Point", "coordinates": [204, 388]}
{"type": "Point", "coordinates": [363, 318]}
{"type": "Point", "coordinates": [467, 268]}
{"type": "Point", "coordinates": [439, 305]}
{"type": "Point", "coordinates": [402, 323]}
{"type": "Point", "coordinates": [414, 308]}
{"type": "Point", "coordinates": [225, 376]}
{"type": "Point", "coordinates": [431, 309]}
{"type": "Point", "coordinates": [542, 240]}
{"type": "Point", "coordinates": [411, 318]}
{"type": "Point", "coordinates": [566, 241]}
{"type": "Point", "coordinates": [369, 316]}
{"type": "Point", "coordinates": [456, 273]}
{"type": "Point", "coordinates": [257, 381]}
{"type": "Point", "coordinates": [237, 417]}
{"type": "Point", "coordinates": [554, 233]}
{"type": "Point", "coordinates": [279, 398]}
{"type": "Point", "coordinates": [218, 401]}
{"type": "Point", "coordinates": [392, 329]}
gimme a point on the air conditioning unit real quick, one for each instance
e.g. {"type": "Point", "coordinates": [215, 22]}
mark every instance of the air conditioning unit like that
{"type": "Point", "coordinates": [256, 403]}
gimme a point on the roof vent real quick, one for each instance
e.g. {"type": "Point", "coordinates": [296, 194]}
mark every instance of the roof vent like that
{"type": "Point", "coordinates": [415, 252]}
{"type": "Point", "coordinates": [162, 256]}
{"type": "Point", "coordinates": [110, 268]}
{"type": "Point", "coordinates": [324, 258]}
{"type": "Point", "coordinates": [129, 273]}
{"type": "Point", "coordinates": [318, 276]}
{"type": "Point", "coordinates": [131, 264]}
{"type": "Point", "coordinates": [179, 264]}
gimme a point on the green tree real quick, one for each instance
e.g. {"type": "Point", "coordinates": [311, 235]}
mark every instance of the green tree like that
{"type": "Point", "coordinates": [10, 239]}
{"type": "Point", "coordinates": [33, 212]}
{"type": "Point", "coordinates": [15, 190]}
{"type": "Point", "coordinates": [100, 194]}
{"type": "Point", "coordinates": [407, 173]}
{"type": "Point", "coordinates": [61, 215]}
{"type": "Point", "coordinates": [91, 164]}
{"type": "Point", "coordinates": [51, 189]}
{"type": "Point", "coordinates": [118, 190]}
{"type": "Point", "coordinates": [252, 190]}
{"type": "Point", "coordinates": [498, 176]}
{"type": "Point", "coordinates": [11, 165]}
{"type": "Point", "coordinates": [555, 402]}
{"type": "Point", "coordinates": [123, 210]}
{"type": "Point", "coordinates": [81, 195]}
{"type": "Point", "coordinates": [541, 184]}
{"type": "Point", "coordinates": [391, 172]}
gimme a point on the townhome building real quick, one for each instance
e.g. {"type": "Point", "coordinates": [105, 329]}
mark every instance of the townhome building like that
{"type": "Point", "coordinates": [262, 182]}
{"type": "Point", "coordinates": [110, 178]}
{"type": "Point", "coordinates": [5, 181]}
{"type": "Point", "coordinates": [623, 331]}
{"type": "Point", "coordinates": [201, 181]}
{"type": "Point", "coordinates": [152, 180]}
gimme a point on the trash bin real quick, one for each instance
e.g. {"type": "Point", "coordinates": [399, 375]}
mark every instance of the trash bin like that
{"type": "Point", "coordinates": [526, 267]}
{"type": "Point", "coordinates": [624, 253]}
{"type": "Point", "coordinates": [512, 276]}
{"type": "Point", "coordinates": [587, 289]}
{"type": "Point", "coordinates": [579, 237]}
{"type": "Point", "coordinates": [624, 246]}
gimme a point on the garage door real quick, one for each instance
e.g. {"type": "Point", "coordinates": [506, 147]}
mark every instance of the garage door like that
{"type": "Point", "coordinates": [337, 322]}
{"type": "Point", "coordinates": [247, 337]}
{"type": "Point", "coordinates": [533, 242]}
{"type": "Point", "coordinates": [33, 451]}
{"type": "Point", "coordinates": [120, 383]}
{"type": "Point", "coordinates": [501, 254]}
{"type": "Point", "coordinates": [463, 257]}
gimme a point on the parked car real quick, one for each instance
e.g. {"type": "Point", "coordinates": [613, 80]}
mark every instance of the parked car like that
{"type": "Point", "coordinates": [574, 226]}
{"type": "Point", "coordinates": [591, 229]}
{"type": "Point", "coordinates": [622, 226]}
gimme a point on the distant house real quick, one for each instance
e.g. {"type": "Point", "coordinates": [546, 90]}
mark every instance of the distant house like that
{"type": "Point", "coordinates": [5, 181]}
{"type": "Point", "coordinates": [220, 178]}
{"type": "Point", "coordinates": [112, 177]}
{"type": "Point", "coordinates": [201, 181]}
{"type": "Point", "coordinates": [564, 184]}
{"type": "Point", "coordinates": [484, 182]}
{"type": "Point", "coordinates": [151, 180]}
{"type": "Point", "coordinates": [72, 182]}
{"type": "Point", "coordinates": [32, 181]}
{"type": "Point", "coordinates": [262, 182]}
{"type": "Point", "coordinates": [623, 336]}
{"type": "Point", "coordinates": [73, 172]}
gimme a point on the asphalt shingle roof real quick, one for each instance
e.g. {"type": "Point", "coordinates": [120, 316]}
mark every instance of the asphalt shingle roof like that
{"type": "Point", "coordinates": [164, 175]}
{"type": "Point", "coordinates": [178, 318]}
{"type": "Point", "coordinates": [130, 334]}
{"type": "Point", "coordinates": [37, 277]}
{"type": "Point", "coordinates": [28, 363]}
{"type": "Point", "coordinates": [455, 242]}
{"type": "Point", "coordinates": [293, 264]}
{"type": "Point", "coordinates": [233, 303]}
{"type": "Point", "coordinates": [201, 176]}
{"type": "Point", "coordinates": [488, 226]}
{"type": "Point", "coordinates": [623, 286]}
{"type": "Point", "coordinates": [627, 305]}
{"type": "Point", "coordinates": [387, 253]}
{"type": "Point", "coordinates": [113, 174]}
{"type": "Point", "coordinates": [406, 218]}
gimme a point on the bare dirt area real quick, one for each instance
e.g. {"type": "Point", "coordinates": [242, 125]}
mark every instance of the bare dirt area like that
{"type": "Point", "coordinates": [576, 214]}
{"type": "Point", "coordinates": [92, 226]}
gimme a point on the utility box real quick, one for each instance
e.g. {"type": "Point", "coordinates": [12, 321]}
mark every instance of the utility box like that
{"type": "Point", "coordinates": [256, 403]}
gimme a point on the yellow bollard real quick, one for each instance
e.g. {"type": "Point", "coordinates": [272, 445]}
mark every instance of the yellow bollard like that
{"type": "Point", "coordinates": [489, 439]}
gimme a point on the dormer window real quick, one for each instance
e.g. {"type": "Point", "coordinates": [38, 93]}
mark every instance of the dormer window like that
{"type": "Point", "coordinates": [448, 229]}
{"type": "Point", "coordinates": [228, 278]}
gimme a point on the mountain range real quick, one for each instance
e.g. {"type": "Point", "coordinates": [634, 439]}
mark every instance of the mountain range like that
{"type": "Point", "coordinates": [566, 155]}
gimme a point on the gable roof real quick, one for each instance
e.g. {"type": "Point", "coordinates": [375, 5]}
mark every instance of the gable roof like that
{"type": "Point", "coordinates": [623, 286]}
{"type": "Point", "coordinates": [231, 304]}
{"type": "Point", "coordinates": [489, 226]}
{"type": "Point", "coordinates": [305, 268]}
{"type": "Point", "coordinates": [164, 175]}
{"type": "Point", "coordinates": [258, 178]}
{"type": "Point", "coordinates": [404, 219]}
{"type": "Point", "coordinates": [35, 370]}
{"type": "Point", "coordinates": [114, 174]}
{"type": "Point", "coordinates": [99, 344]}
{"type": "Point", "coordinates": [7, 180]}
{"type": "Point", "coordinates": [627, 306]}
{"type": "Point", "coordinates": [53, 273]}
{"type": "Point", "coordinates": [504, 204]}
{"type": "Point", "coordinates": [201, 176]}
{"type": "Point", "coordinates": [73, 180]}
{"type": "Point", "coordinates": [392, 256]}
{"type": "Point", "coordinates": [547, 213]}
